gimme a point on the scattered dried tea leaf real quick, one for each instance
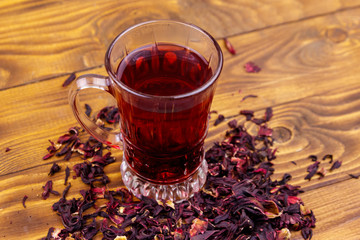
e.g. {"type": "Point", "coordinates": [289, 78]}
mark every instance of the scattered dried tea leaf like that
{"type": "Point", "coordinates": [354, 176]}
{"type": "Point", "coordinates": [322, 172]}
{"type": "Point", "coordinates": [248, 114]}
{"type": "Point", "coordinates": [313, 158]}
{"type": "Point", "coordinates": [232, 123]}
{"type": "Point", "coordinates": [219, 119]}
{"type": "Point", "coordinates": [54, 169]}
{"type": "Point", "coordinates": [283, 234]}
{"type": "Point", "coordinates": [251, 67]}
{"type": "Point", "coordinates": [268, 114]}
{"type": "Point", "coordinates": [248, 96]}
{"type": "Point", "coordinates": [48, 189]}
{"type": "Point", "coordinates": [328, 156]}
{"type": "Point", "coordinates": [312, 169]}
{"type": "Point", "coordinates": [229, 46]}
{"type": "Point", "coordinates": [336, 165]}
{"type": "Point", "coordinates": [87, 109]}
{"type": "Point", "coordinates": [23, 200]}
{"type": "Point", "coordinates": [307, 233]}
{"type": "Point", "coordinates": [69, 80]}
{"type": "Point", "coordinates": [67, 174]}
{"type": "Point", "coordinates": [198, 227]}
{"type": "Point", "coordinates": [49, 235]}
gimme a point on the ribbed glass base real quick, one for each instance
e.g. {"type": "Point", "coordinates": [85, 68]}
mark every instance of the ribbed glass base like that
{"type": "Point", "coordinates": [174, 192]}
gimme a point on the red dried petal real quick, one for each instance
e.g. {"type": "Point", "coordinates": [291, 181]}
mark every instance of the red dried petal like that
{"type": "Point", "coordinates": [248, 96]}
{"type": "Point", "coordinates": [7, 149]}
{"type": "Point", "coordinates": [69, 80]}
{"type": "Point", "coordinates": [23, 200]}
{"type": "Point", "coordinates": [220, 119]}
{"type": "Point", "coordinates": [198, 226]}
{"type": "Point", "coordinates": [265, 131]}
{"type": "Point", "coordinates": [250, 67]}
{"type": "Point", "coordinates": [336, 165]}
{"type": "Point", "coordinates": [229, 46]}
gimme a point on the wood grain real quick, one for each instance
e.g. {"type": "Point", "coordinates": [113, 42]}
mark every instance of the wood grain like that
{"type": "Point", "coordinates": [310, 76]}
{"type": "Point", "coordinates": [38, 112]}
{"type": "Point", "coordinates": [43, 39]}
{"type": "Point", "coordinates": [317, 125]}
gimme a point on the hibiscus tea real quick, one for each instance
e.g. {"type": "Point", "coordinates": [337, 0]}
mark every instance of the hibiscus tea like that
{"type": "Point", "coordinates": [164, 131]}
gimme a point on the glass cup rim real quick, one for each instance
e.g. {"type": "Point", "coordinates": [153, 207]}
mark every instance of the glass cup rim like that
{"type": "Point", "coordinates": [179, 96]}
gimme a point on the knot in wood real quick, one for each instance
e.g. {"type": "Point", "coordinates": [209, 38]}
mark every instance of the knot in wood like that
{"type": "Point", "coordinates": [281, 134]}
{"type": "Point", "coordinates": [336, 35]}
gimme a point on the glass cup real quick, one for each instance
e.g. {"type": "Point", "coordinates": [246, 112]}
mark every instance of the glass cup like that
{"type": "Point", "coordinates": [162, 74]}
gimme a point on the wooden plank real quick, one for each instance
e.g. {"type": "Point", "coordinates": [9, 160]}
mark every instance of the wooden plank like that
{"type": "Point", "coordinates": [43, 39]}
{"type": "Point", "coordinates": [34, 113]}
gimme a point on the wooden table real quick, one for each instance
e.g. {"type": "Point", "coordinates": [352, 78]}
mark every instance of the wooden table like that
{"type": "Point", "coordinates": [309, 52]}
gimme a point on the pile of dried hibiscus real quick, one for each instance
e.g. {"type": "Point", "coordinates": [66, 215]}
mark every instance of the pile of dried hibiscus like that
{"type": "Point", "coordinates": [239, 200]}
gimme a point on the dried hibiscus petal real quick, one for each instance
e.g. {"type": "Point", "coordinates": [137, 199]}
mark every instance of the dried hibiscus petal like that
{"type": "Point", "coordinates": [220, 119]}
{"type": "Point", "coordinates": [312, 169]}
{"type": "Point", "coordinates": [232, 123]}
{"type": "Point", "coordinates": [354, 176]}
{"type": "Point", "coordinates": [268, 114]}
{"type": "Point", "coordinates": [198, 227]}
{"type": "Point", "coordinates": [329, 156]}
{"type": "Point", "coordinates": [23, 200]}
{"type": "Point", "coordinates": [248, 96]}
{"type": "Point", "coordinates": [67, 174]}
{"type": "Point", "coordinates": [250, 67]}
{"type": "Point", "coordinates": [48, 189]}
{"type": "Point", "coordinates": [229, 46]}
{"type": "Point", "coordinates": [54, 169]}
{"type": "Point", "coordinates": [313, 158]}
{"type": "Point", "coordinates": [335, 165]}
{"type": "Point", "coordinates": [7, 149]}
{"type": "Point", "coordinates": [87, 109]}
{"type": "Point", "coordinates": [69, 80]}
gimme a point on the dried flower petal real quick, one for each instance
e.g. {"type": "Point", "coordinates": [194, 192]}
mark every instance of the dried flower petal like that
{"type": "Point", "coordinates": [313, 158]}
{"type": "Point", "coordinates": [328, 156]}
{"type": "Point", "coordinates": [49, 235]}
{"type": "Point", "coordinates": [248, 96]}
{"type": "Point", "coordinates": [354, 176]}
{"type": "Point", "coordinates": [248, 113]}
{"type": "Point", "coordinates": [250, 67]}
{"type": "Point", "coordinates": [48, 189]}
{"type": "Point", "coordinates": [67, 174]}
{"type": "Point", "coordinates": [23, 200]}
{"type": "Point", "coordinates": [198, 226]}
{"type": "Point", "coordinates": [87, 109]}
{"type": "Point", "coordinates": [336, 165]}
{"type": "Point", "coordinates": [232, 123]}
{"type": "Point", "coordinates": [271, 209]}
{"type": "Point", "coordinates": [283, 234]}
{"type": "Point", "coordinates": [306, 233]}
{"type": "Point", "coordinates": [69, 80]}
{"type": "Point", "coordinates": [7, 149]}
{"type": "Point", "coordinates": [312, 169]}
{"type": "Point", "coordinates": [54, 169]}
{"type": "Point", "coordinates": [268, 114]}
{"type": "Point", "coordinates": [322, 172]}
{"type": "Point", "coordinates": [229, 46]}
{"type": "Point", "coordinates": [219, 119]}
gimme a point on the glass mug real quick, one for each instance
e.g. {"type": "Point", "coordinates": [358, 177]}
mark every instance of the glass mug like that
{"type": "Point", "coordinates": [162, 74]}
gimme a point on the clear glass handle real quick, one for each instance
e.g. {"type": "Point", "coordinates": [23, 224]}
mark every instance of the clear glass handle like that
{"type": "Point", "coordinates": [98, 82]}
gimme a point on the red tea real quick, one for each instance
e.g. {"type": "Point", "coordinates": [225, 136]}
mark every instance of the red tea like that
{"type": "Point", "coordinates": [163, 136]}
